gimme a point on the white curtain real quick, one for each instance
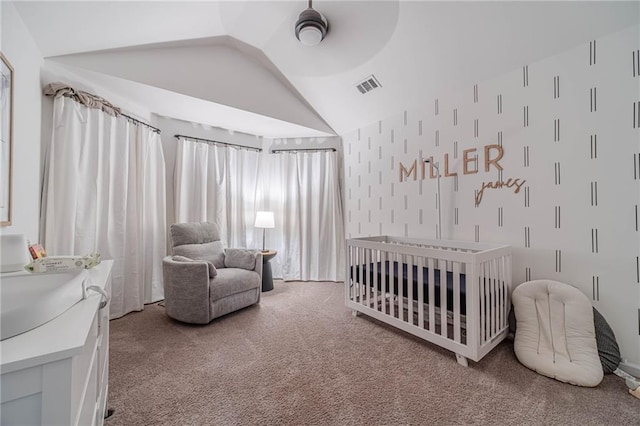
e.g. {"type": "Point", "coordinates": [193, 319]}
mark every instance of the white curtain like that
{"type": "Point", "coordinates": [217, 183]}
{"type": "Point", "coordinates": [303, 190]}
{"type": "Point", "coordinates": [104, 191]}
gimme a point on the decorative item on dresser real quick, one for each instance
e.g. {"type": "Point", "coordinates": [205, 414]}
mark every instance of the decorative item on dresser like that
{"type": "Point", "coordinates": [454, 294]}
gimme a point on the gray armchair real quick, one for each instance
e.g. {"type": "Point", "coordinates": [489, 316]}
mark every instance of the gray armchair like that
{"type": "Point", "coordinates": [202, 280]}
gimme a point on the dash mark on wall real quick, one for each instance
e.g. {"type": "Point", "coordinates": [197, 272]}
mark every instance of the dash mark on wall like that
{"type": "Point", "coordinates": [592, 52]}
{"type": "Point", "coordinates": [499, 104]}
{"type": "Point", "coordinates": [558, 260]}
{"type": "Point", "coordinates": [525, 116]}
{"type": "Point", "coordinates": [525, 76]}
{"type": "Point", "coordinates": [594, 147]}
{"type": "Point", "coordinates": [594, 240]}
{"type": "Point", "coordinates": [475, 93]}
{"type": "Point", "coordinates": [436, 108]}
{"type": "Point", "coordinates": [593, 99]}
{"type": "Point", "coordinates": [556, 130]}
{"type": "Point", "coordinates": [594, 193]}
{"type": "Point", "coordinates": [595, 287]}
{"type": "Point", "coordinates": [557, 217]}
{"type": "Point", "coordinates": [527, 237]}
{"type": "Point", "coordinates": [635, 63]}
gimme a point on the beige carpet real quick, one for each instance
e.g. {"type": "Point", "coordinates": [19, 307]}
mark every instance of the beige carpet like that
{"type": "Point", "coordinates": [300, 358]}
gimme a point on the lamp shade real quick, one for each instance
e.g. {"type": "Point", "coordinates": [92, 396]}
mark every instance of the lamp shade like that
{"type": "Point", "coordinates": [265, 220]}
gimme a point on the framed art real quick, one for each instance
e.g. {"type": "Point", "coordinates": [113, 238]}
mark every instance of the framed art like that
{"type": "Point", "coordinates": [6, 139]}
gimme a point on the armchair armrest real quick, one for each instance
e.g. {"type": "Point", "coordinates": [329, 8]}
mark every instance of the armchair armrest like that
{"type": "Point", "coordinates": [186, 290]}
{"type": "Point", "coordinates": [258, 267]}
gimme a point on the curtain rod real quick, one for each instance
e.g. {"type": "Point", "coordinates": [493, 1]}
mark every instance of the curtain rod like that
{"type": "Point", "coordinates": [223, 143]}
{"type": "Point", "coordinates": [275, 151]}
{"type": "Point", "coordinates": [136, 121]}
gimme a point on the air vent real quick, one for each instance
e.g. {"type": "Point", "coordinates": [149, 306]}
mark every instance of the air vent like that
{"type": "Point", "coordinates": [368, 84]}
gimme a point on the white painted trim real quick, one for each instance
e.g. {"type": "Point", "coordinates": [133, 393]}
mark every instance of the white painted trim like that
{"type": "Point", "coordinates": [631, 368]}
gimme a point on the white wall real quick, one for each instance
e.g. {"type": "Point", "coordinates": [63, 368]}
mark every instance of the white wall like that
{"type": "Point", "coordinates": [573, 191]}
{"type": "Point", "coordinates": [20, 49]}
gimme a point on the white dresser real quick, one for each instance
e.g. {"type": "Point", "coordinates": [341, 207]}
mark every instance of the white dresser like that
{"type": "Point", "coordinates": [57, 374]}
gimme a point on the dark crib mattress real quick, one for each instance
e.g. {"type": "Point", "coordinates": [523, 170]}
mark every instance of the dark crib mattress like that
{"type": "Point", "coordinates": [403, 267]}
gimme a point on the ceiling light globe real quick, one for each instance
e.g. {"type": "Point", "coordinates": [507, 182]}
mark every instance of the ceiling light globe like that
{"type": "Point", "coordinates": [310, 36]}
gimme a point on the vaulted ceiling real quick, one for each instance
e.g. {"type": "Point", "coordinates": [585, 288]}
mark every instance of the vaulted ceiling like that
{"type": "Point", "coordinates": [237, 64]}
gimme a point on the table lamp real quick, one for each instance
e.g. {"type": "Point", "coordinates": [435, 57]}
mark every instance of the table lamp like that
{"type": "Point", "coordinates": [264, 220]}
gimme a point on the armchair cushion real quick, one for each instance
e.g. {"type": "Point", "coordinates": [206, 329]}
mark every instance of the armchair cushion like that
{"type": "Point", "coordinates": [212, 269]}
{"type": "Point", "coordinates": [194, 233]}
{"type": "Point", "coordinates": [240, 258]}
{"type": "Point", "coordinates": [233, 281]}
{"type": "Point", "coordinates": [212, 252]}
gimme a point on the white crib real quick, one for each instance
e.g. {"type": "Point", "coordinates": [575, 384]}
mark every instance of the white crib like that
{"type": "Point", "coordinates": [470, 318]}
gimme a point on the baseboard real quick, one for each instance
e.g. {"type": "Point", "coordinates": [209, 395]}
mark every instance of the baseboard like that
{"type": "Point", "coordinates": [631, 368]}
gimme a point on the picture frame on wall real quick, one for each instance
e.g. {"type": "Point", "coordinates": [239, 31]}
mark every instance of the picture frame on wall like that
{"type": "Point", "coordinates": [6, 139]}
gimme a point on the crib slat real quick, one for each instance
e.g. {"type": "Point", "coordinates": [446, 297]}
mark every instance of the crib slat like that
{"type": "Point", "coordinates": [432, 297]}
{"type": "Point", "coordinates": [421, 292]}
{"type": "Point", "coordinates": [505, 295]}
{"type": "Point", "coordinates": [392, 280]}
{"type": "Point", "coordinates": [494, 310]}
{"type": "Point", "coordinates": [383, 263]}
{"type": "Point", "coordinates": [410, 289]}
{"type": "Point", "coordinates": [361, 261]}
{"type": "Point", "coordinates": [483, 308]}
{"type": "Point", "coordinates": [367, 287]}
{"type": "Point", "coordinates": [376, 254]}
{"type": "Point", "coordinates": [456, 301]}
{"type": "Point", "coordinates": [401, 279]}
{"type": "Point", "coordinates": [444, 285]}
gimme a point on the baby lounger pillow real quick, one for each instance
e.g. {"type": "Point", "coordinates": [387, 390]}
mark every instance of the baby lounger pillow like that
{"type": "Point", "coordinates": [555, 335]}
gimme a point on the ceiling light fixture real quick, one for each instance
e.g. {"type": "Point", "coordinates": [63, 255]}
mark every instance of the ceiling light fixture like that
{"type": "Point", "coordinates": [311, 27]}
